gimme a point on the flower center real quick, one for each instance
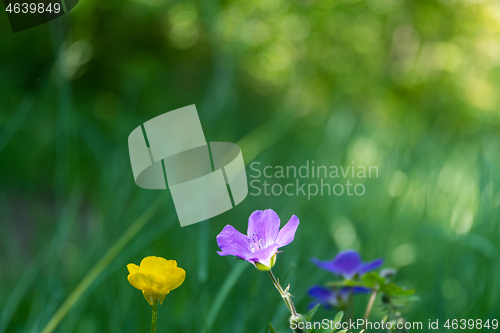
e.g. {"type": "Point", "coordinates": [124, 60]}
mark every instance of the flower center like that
{"type": "Point", "coordinates": [255, 242]}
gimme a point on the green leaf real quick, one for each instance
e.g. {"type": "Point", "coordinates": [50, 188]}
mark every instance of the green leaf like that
{"type": "Point", "coordinates": [373, 280]}
{"type": "Point", "coordinates": [392, 289]}
{"type": "Point", "coordinates": [370, 280]}
{"type": "Point", "coordinates": [346, 283]}
{"type": "Point", "coordinates": [338, 318]}
{"type": "Point", "coordinates": [271, 328]}
{"type": "Point", "coordinates": [343, 331]}
{"type": "Point", "coordinates": [311, 313]}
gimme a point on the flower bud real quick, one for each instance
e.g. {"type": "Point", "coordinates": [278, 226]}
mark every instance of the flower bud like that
{"type": "Point", "coordinates": [298, 323]}
{"type": "Point", "coordinates": [262, 267]}
{"type": "Point", "coordinates": [388, 273]}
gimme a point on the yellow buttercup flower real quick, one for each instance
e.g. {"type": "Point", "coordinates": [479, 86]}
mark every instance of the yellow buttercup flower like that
{"type": "Point", "coordinates": [156, 277]}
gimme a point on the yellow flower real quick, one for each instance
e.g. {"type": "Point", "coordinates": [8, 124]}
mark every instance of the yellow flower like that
{"type": "Point", "coordinates": [156, 277]}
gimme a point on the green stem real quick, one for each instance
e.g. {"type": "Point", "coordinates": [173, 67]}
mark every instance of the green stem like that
{"type": "Point", "coordinates": [155, 316]}
{"type": "Point", "coordinates": [284, 295]}
{"type": "Point", "coordinates": [370, 305]}
{"type": "Point", "coordinates": [350, 307]}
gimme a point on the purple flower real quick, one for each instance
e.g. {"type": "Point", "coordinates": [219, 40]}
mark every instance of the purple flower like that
{"type": "Point", "coordinates": [337, 298]}
{"type": "Point", "coordinates": [262, 241]}
{"type": "Point", "coordinates": [348, 264]}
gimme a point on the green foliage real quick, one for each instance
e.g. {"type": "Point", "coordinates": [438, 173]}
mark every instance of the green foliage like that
{"type": "Point", "coordinates": [374, 281]}
{"type": "Point", "coordinates": [338, 318]}
{"type": "Point", "coordinates": [311, 312]}
{"type": "Point", "coordinates": [392, 289]}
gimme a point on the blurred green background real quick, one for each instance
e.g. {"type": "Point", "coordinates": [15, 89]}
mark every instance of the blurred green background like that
{"type": "Point", "coordinates": [409, 86]}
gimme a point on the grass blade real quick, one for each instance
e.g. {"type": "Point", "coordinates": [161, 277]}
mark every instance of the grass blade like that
{"type": "Point", "coordinates": [85, 283]}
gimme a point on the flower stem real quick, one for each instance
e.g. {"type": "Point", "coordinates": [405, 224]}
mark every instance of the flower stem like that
{"type": "Point", "coordinates": [155, 316]}
{"type": "Point", "coordinates": [350, 307]}
{"type": "Point", "coordinates": [284, 294]}
{"type": "Point", "coordinates": [370, 305]}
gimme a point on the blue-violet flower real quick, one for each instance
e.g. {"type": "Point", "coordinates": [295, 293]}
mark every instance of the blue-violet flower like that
{"type": "Point", "coordinates": [348, 264]}
{"type": "Point", "coordinates": [333, 297]}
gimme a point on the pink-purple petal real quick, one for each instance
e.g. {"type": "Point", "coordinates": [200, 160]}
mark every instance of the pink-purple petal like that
{"type": "Point", "coordinates": [263, 256]}
{"type": "Point", "coordinates": [264, 226]}
{"type": "Point", "coordinates": [287, 233]}
{"type": "Point", "coordinates": [233, 242]}
{"type": "Point", "coordinates": [263, 240]}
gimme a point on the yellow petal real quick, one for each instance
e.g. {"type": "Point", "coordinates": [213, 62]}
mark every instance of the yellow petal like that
{"type": "Point", "coordinates": [147, 281]}
{"type": "Point", "coordinates": [171, 263]}
{"type": "Point", "coordinates": [151, 264]}
{"type": "Point", "coordinates": [154, 296]}
{"type": "Point", "coordinates": [174, 277]}
{"type": "Point", "coordinates": [132, 268]}
{"type": "Point", "coordinates": [148, 296]}
{"type": "Point", "coordinates": [162, 297]}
